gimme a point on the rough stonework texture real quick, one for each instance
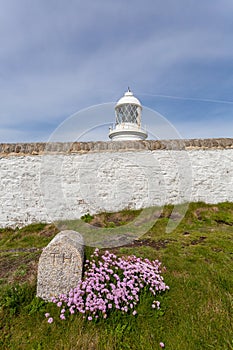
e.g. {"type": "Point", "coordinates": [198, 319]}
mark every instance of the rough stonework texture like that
{"type": "Point", "coordinates": [20, 149]}
{"type": "Point", "coordinates": [63, 181]}
{"type": "Point", "coordinates": [60, 265]}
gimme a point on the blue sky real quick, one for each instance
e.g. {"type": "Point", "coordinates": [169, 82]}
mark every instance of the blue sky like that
{"type": "Point", "coordinates": [60, 57]}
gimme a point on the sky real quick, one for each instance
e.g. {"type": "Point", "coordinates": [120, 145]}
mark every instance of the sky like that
{"type": "Point", "coordinates": [65, 63]}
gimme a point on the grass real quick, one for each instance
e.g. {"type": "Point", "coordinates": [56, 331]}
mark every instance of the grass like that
{"type": "Point", "coordinates": [195, 314]}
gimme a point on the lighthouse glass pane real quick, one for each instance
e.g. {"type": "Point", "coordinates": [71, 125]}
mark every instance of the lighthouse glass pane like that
{"type": "Point", "coordinates": [127, 113]}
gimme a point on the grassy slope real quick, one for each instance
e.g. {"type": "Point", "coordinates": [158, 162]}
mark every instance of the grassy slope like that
{"type": "Point", "coordinates": [196, 312]}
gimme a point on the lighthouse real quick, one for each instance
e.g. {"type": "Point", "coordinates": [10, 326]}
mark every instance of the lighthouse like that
{"type": "Point", "coordinates": [128, 112]}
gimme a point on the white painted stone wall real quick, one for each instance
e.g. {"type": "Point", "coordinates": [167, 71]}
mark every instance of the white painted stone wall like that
{"type": "Point", "coordinates": [45, 188]}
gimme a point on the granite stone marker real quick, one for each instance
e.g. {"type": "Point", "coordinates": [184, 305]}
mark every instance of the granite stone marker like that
{"type": "Point", "coordinates": [60, 265]}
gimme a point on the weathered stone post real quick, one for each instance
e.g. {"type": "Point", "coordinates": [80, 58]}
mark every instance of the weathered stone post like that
{"type": "Point", "coordinates": [60, 265]}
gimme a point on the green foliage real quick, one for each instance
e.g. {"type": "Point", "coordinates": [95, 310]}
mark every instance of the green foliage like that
{"type": "Point", "coordinates": [13, 298]}
{"type": "Point", "coordinates": [195, 314]}
{"type": "Point", "coordinates": [33, 228]}
{"type": "Point", "coordinates": [36, 305]}
{"type": "Point", "coordinates": [88, 251]}
{"type": "Point", "coordinates": [34, 235]}
{"type": "Point", "coordinates": [21, 271]}
{"type": "Point", "coordinates": [111, 224]}
{"type": "Point", "coordinates": [87, 218]}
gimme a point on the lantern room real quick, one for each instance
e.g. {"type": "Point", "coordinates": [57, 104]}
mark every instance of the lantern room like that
{"type": "Point", "coordinates": [128, 111]}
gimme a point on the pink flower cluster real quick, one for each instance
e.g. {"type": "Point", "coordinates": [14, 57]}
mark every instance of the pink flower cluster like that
{"type": "Point", "coordinates": [112, 282]}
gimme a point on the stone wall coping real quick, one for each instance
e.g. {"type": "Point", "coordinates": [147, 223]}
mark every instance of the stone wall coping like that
{"type": "Point", "coordinates": [41, 148]}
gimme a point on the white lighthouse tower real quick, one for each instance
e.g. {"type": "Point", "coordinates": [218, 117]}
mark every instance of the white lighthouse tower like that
{"type": "Point", "coordinates": [128, 111]}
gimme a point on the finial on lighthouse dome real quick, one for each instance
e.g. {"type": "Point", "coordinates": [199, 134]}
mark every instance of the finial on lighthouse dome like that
{"type": "Point", "coordinates": [128, 112]}
{"type": "Point", "coordinates": [128, 98]}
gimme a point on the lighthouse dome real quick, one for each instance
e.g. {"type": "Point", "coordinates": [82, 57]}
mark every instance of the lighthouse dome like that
{"type": "Point", "coordinates": [128, 98]}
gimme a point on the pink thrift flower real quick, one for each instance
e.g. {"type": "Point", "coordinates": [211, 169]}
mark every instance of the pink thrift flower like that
{"type": "Point", "coordinates": [50, 320]}
{"type": "Point", "coordinates": [161, 345]}
{"type": "Point", "coordinates": [102, 288]}
{"type": "Point", "coordinates": [134, 313]}
{"type": "Point", "coordinates": [47, 315]}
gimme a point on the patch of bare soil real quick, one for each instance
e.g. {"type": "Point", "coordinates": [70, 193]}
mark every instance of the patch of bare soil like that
{"type": "Point", "coordinates": [146, 243]}
{"type": "Point", "coordinates": [199, 211]}
{"type": "Point", "coordinates": [195, 241]}
{"type": "Point", "coordinates": [15, 250]}
{"type": "Point", "coordinates": [149, 243]}
{"type": "Point", "coordinates": [17, 267]}
{"type": "Point", "coordinates": [113, 219]}
{"type": "Point", "coordinates": [219, 221]}
{"type": "Point", "coordinates": [49, 231]}
{"type": "Point", "coordinates": [199, 240]}
{"type": "Point", "coordinates": [98, 221]}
